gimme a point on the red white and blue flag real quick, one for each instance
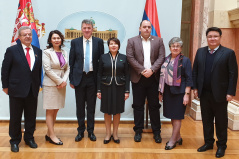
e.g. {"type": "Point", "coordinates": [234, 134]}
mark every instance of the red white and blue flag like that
{"type": "Point", "coordinates": [151, 14]}
{"type": "Point", "coordinates": [25, 17]}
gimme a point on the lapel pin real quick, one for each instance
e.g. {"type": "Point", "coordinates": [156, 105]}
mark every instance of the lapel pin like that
{"type": "Point", "coordinates": [35, 55]}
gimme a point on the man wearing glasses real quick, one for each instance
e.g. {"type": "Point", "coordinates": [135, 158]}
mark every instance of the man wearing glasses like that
{"type": "Point", "coordinates": [215, 74]}
{"type": "Point", "coordinates": [21, 79]}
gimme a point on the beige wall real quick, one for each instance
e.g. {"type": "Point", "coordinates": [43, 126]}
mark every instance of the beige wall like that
{"type": "Point", "coordinates": [218, 13]}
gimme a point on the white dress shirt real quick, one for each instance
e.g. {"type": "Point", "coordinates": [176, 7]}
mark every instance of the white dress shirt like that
{"type": "Point", "coordinates": [31, 52]}
{"type": "Point", "coordinates": [84, 45]}
{"type": "Point", "coordinates": [146, 47]}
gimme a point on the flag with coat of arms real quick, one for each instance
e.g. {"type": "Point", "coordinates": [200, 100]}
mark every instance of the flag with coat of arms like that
{"type": "Point", "coordinates": [25, 17]}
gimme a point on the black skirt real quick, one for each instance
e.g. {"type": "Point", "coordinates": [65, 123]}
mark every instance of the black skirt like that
{"type": "Point", "coordinates": [173, 107]}
{"type": "Point", "coordinates": [112, 98]}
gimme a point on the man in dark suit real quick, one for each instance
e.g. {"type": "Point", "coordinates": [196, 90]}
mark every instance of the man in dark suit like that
{"type": "Point", "coordinates": [215, 75]}
{"type": "Point", "coordinates": [145, 54]}
{"type": "Point", "coordinates": [84, 61]}
{"type": "Point", "coordinates": [21, 79]}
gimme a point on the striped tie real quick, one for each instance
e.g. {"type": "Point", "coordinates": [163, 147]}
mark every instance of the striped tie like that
{"type": "Point", "coordinates": [211, 51]}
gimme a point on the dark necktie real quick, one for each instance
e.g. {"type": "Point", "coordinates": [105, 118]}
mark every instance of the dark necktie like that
{"type": "Point", "coordinates": [28, 57]}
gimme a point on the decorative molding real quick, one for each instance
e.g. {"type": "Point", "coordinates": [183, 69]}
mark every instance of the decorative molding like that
{"type": "Point", "coordinates": [234, 17]}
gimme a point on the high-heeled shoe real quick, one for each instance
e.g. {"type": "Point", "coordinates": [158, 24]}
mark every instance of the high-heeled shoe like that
{"type": "Point", "coordinates": [170, 147]}
{"type": "Point", "coordinates": [116, 141]}
{"type": "Point", "coordinates": [48, 138]}
{"type": "Point", "coordinates": [180, 141]}
{"type": "Point", "coordinates": [55, 143]}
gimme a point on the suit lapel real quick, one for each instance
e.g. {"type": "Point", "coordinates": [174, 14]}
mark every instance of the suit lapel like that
{"type": "Point", "coordinates": [218, 55]}
{"type": "Point", "coordinates": [93, 47]}
{"type": "Point", "coordinates": [55, 58]}
{"type": "Point", "coordinates": [23, 56]}
{"type": "Point", "coordinates": [36, 56]}
{"type": "Point", "coordinates": [151, 48]}
{"type": "Point", "coordinates": [204, 53]}
{"type": "Point", "coordinates": [139, 41]}
{"type": "Point", "coordinates": [81, 47]}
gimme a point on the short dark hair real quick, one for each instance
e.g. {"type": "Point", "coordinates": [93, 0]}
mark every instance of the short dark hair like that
{"type": "Point", "coordinates": [214, 29]}
{"type": "Point", "coordinates": [116, 40]}
{"type": "Point", "coordinates": [50, 36]}
{"type": "Point", "coordinates": [142, 22]}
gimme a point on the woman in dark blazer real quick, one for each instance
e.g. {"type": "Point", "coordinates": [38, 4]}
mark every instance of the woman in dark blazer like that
{"type": "Point", "coordinates": [113, 87]}
{"type": "Point", "coordinates": [174, 88]}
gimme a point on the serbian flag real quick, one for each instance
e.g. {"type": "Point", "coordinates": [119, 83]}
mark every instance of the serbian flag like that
{"type": "Point", "coordinates": [25, 17]}
{"type": "Point", "coordinates": [151, 14]}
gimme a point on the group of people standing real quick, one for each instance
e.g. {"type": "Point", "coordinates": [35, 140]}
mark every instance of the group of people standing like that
{"type": "Point", "coordinates": [107, 76]}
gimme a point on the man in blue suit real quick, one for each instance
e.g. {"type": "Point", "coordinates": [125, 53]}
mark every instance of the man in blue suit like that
{"type": "Point", "coordinates": [84, 61]}
{"type": "Point", "coordinates": [21, 79]}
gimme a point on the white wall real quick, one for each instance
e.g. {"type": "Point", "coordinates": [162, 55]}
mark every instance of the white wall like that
{"type": "Point", "coordinates": [54, 12]}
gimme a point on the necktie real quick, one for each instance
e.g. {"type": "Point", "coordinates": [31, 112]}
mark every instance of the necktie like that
{"type": "Point", "coordinates": [28, 57]}
{"type": "Point", "coordinates": [87, 57]}
{"type": "Point", "coordinates": [211, 51]}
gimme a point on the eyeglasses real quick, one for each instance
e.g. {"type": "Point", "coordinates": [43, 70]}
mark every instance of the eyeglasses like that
{"type": "Point", "coordinates": [25, 35]}
{"type": "Point", "coordinates": [213, 37]}
{"type": "Point", "coordinates": [175, 47]}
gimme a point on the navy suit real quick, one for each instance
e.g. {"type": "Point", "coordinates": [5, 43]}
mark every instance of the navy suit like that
{"type": "Point", "coordinates": [85, 84]}
{"type": "Point", "coordinates": [23, 86]}
{"type": "Point", "coordinates": [223, 80]}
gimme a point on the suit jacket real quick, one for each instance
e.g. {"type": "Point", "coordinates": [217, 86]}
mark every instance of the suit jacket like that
{"type": "Point", "coordinates": [224, 72]}
{"type": "Point", "coordinates": [107, 73]}
{"type": "Point", "coordinates": [76, 59]}
{"type": "Point", "coordinates": [54, 73]}
{"type": "Point", "coordinates": [16, 73]}
{"type": "Point", "coordinates": [135, 56]}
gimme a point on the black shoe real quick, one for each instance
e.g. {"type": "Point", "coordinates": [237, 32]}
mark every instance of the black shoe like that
{"type": "Point", "coordinates": [79, 137]}
{"type": "Point", "coordinates": [107, 141]}
{"type": "Point", "coordinates": [31, 143]}
{"type": "Point", "coordinates": [47, 138]}
{"type": "Point", "coordinates": [92, 136]}
{"type": "Point", "coordinates": [205, 147]}
{"type": "Point", "coordinates": [157, 138]}
{"type": "Point", "coordinates": [14, 148]}
{"type": "Point", "coordinates": [170, 147]}
{"type": "Point", "coordinates": [220, 152]}
{"type": "Point", "coordinates": [180, 141]}
{"type": "Point", "coordinates": [137, 137]}
{"type": "Point", "coordinates": [55, 143]}
{"type": "Point", "coordinates": [116, 141]}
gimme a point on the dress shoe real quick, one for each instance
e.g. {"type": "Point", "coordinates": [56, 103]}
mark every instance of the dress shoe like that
{"type": "Point", "coordinates": [14, 148]}
{"type": "Point", "coordinates": [47, 138]}
{"type": "Point", "coordinates": [137, 137]}
{"type": "Point", "coordinates": [55, 143]}
{"type": "Point", "coordinates": [157, 138]}
{"type": "Point", "coordinates": [107, 141]}
{"type": "Point", "coordinates": [180, 141]}
{"type": "Point", "coordinates": [92, 136]}
{"type": "Point", "coordinates": [205, 147]}
{"type": "Point", "coordinates": [79, 137]}
{"type": "Point", "coordinates": [31, 143]}
{"type": "Point", "coordinates": [220, 152]}
{"type": "Point", "coordinates": [116, 141]}
{"type": "Point", "coordinates": [170, 147]}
